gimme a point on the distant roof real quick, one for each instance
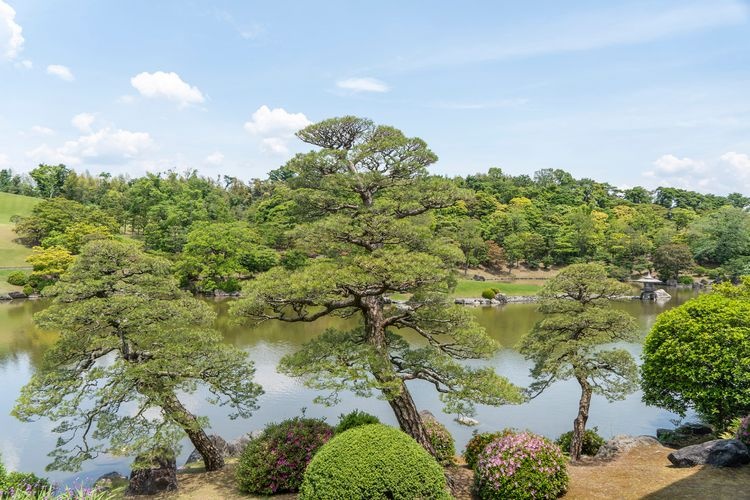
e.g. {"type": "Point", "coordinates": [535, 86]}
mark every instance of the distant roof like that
{"type": "Point", "coordinates": [648, 279]}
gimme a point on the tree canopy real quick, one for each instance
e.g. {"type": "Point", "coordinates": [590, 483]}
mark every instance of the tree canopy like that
{"type": "Point", "coordinates": [367, 199]}
{"type": "Point", "coordinates": [130, 344]}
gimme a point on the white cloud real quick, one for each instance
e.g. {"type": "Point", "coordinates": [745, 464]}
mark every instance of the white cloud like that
{"type": "Point", "coordinates": [363, 85]}
{"type": "Point", "coordinates": [83, 121]}
{"type": "Point", "coordinates": [728, 173]}
{"type": "Point", "coordinates": [40, 130]}
{"type": "Point", "coordinates": [108, 145]}
{"type": "Point", "coordinates": [215, 158]}
{"type": "Point", "coordinates": [168, 86]}
{"type": "Point", "coordinates": [11, 39]}
{"type": "Point", "coordinates": [60, 71]}
{"type": "Point", "coordinates": [25, 64]}
{"type": "Point", "coordinates": [671, 165]}
{"type": "Point", "coordinates": [275, 127]}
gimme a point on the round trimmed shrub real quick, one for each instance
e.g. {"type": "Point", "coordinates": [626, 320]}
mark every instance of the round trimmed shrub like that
{"type": "Point", "coordinates": [441, 440]}
{"type": "Point", "coordinates": [478, 442]}
{"type": "Point", "coordinates": [521, 466]}
{"type": "Point", "coordinates": [355, 419]}
{"type": "Point", "coordinates": [743, 431]}
{"type": "Point", "coordinates": [373, 462]}
{"type": "Point", "coordinates": [489, 293]}
{"type": "Point", "coordinates": [17, 278]}
{"type": "Point", "coordinates": [592, 441]}
{"type": "Point", "coordinates": [276, 460]}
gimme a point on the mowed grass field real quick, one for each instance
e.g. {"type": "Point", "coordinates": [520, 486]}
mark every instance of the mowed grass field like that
{"type": "Point", "coordinates": [12, 255]}
{"type": "Point", "coordinates": [470, 288]}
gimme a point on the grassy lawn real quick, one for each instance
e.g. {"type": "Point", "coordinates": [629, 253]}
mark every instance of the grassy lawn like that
{"type": "Point", "coordinates": [11, 254]}
{"type": "Point", "coordinates": [14, 204]}
{"type": "Point", "coordinates": [4, 286]}
{"type": "Point", "coordinates": [471, 288]}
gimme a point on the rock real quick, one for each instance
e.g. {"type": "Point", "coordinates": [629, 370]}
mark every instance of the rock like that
{"type": "Point", "coordinates": [719, 452]}
{"type": "Point", "coordinates": [467, 421]}
{"type": "Point", "coordinates": [17, 295]}
{"type": "Point", "coordinates": [660, 294]}
{"type": "Point", "coordinates": [684, 435]}
{"type": "Point", "coordinates": [160, 476]}
{"type": "Point", "coordinates": [478, 277]}
{"type": "Point", "coordinates": [501, 298]}
{"type": "Point", "coordinates": [621, 444]}
{"type": "Point", "coordinates": [110, 481]}
{"type": "Point", "coordinates": [218, 441]}
{"type": "Point", "coordinates": [4, 296]}
{"type": "Point", "coordinates": [427, 415]}
{"type": "Point", "coordinates": [671, 282]}
{"type": "Point", "coordinates": [237, 446]}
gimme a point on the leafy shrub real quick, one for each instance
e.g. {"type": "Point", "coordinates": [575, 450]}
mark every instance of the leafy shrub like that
{"type": "Point", "coordinates": [743, 431]}
{"type": "Point", "coordinates": [17, 278]}
{"type": "Point", "coordinates": [373, 462]}
{"type": "Point", "coordinates": [700, 270]}
{"type": "Point", "coordinates": [685, 280]}
{"type": "Point", "coordinates": [489, 293]}
{"type": "Point", "coordinates": [230, 285]}
{"type": "Point", "coordinates": [478, 442]}
{"type": "Point", "coordinates": [22, 483]}
{"type": "Point", "coordinates": [276, 460]}
{"type": "Point", "coordinates": [355, 419]}
{"type": "Point", "coordinates": [441, 440]}
{"type": "Point", "coordinates": [28, 289]}
{"type": "Point", "coordinates": [521, 466]}
{"type": "Point", "coordinates": [592, 441]}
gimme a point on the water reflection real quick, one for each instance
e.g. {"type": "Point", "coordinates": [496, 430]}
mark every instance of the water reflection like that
{"type": "Point", "coordinates": [24, 446]}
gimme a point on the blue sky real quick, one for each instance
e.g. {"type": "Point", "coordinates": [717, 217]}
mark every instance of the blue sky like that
{"type": "Point", "coordinates": [650, 93]}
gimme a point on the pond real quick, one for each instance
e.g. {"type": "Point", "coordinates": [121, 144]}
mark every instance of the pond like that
{"type": "Point", "coordinates": [24, 446]}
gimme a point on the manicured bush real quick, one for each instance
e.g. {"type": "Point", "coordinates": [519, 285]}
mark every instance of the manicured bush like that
{"type": "Point", "coordinates": [521, 466]}
{"type": "Point", "coordinates": [743, 431]}
{"type": "Point", "coordinates": [28, 289]}
{"type": "Point", "coordinates": [592, 441]}
{"type": "Point", "coordinates": [373, 462]}
{"type": "Point", "coordinates": [489, 293]}
{"type": "Point", "coordinates": [441, 440]}
{"type": "Point", "coordinates": [18, 278]}
{"type": "Point", "coordinates": [685, 280]}
{"type": "Point", "coordinates": [276, 460]}
{"type": "Point", "coordinates": [354, 419]}
{"type": "Point", "coordinates": [478, 442]}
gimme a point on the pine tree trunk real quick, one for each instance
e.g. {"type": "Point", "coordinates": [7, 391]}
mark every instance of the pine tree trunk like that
{"type": "Point", "coordinates": [579, 424]}
{"type": "Point", "coordinates": [399, 397]}
{"type": "Point", "coordinates": [174, 409]}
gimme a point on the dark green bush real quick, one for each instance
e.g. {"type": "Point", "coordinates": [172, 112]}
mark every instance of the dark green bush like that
{"type": "Point", "coordinates": [18, 278]}
{"type": "Point", "coordinates": [373, 462]}
{"type": "Point", "coordinates": [441, 440]}
{"type": "Point", "coordinates": [592, 441]}
{"type": "Point", "coordinates": [685, 280]}
{"type": "Point", "coordinates": [276, 460]}
{"type": "Point", "coordinates": [230, 285]}
{"type": "Point", "coordinates": [521, 466]}
{"type": "Point", "coordinates": [354, 419]}
{"type": "Point", "coordinates": [489, 293]}
{"type": "Point", "coordinates": [28, 289]}
{"type": "Point", "coordinates": [478, 442]}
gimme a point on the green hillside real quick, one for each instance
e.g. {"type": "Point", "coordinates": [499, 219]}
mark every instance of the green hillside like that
{"type": "Point", "coordinates": [14, 204]}
{"type": "Point", "coordinates": [12, 255]}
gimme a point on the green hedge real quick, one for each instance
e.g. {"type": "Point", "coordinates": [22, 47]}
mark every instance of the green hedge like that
{"type": "Point", "coordinates": [373, 462]}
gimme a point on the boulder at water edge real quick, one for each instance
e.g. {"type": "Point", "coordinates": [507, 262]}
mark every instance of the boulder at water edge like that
{"type": "Point", "coordinates": [224, 448]}
{"type": "Point", "coordinates": [160, 476]}
{"type": "Point", "coordinates": [621, 444]}
{"type": "Point", "coordinates": [719, 452]}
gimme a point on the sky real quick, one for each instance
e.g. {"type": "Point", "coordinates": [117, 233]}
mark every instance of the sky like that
{"type": "Point", "coordinates": [632, 93]}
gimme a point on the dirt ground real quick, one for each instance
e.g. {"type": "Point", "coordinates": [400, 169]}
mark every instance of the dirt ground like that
{"type": "Point", "coordinates": [643, 472]}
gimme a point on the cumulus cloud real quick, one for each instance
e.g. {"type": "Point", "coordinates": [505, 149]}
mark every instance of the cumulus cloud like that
{"type": "Point", "coordinates": [60, 71]}
{"type": "Point", "coordinates": [105, 146]}
{"type": "Point", "coordinates": [83, 121]}
{"type": "Point", "coordinates": [215, 158]}
{"type": "Point", "coordinates": [40, 130]}
{"type": "Point", "coordinates": [729, 172]}
{"type": "Point", "coordinates": [11, 39]}
{"type": "Point", "coordinates": [167, 86]}
{"type": "Point", "coordinates": [363, 85]}
{"type": "Point", "coordinates": [275, 127]}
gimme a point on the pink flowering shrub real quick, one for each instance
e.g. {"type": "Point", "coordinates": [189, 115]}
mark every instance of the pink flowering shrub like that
{"type": "Point", "coordinates": [743, 431]}
{"type": "Point", "coordinates": [276, 460]}
{"type": "Point", "coordinates": [521, 466]}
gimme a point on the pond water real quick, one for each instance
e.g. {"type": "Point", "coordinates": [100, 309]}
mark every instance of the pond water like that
{"type": "Point", "coordinates": [24, 446]}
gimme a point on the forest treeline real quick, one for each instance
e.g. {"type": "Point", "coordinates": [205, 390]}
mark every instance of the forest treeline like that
{"type": "Point", "coordinates": [220, 231]}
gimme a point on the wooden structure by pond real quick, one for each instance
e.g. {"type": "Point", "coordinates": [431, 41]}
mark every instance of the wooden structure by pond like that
{"type": "Point", "coordinates": [650, 292]}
